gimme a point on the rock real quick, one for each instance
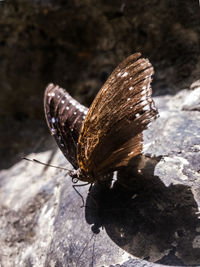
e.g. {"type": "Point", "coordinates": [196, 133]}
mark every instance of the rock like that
{"type": "Point", "coordinates": [195, 85]}
{"type": "Point", "coordinates": [193, 100]}
{"type": "Point", "coordinates": [147, 216]}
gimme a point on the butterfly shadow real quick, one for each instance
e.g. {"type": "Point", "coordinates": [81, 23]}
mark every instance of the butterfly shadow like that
{"type": "Point", "coordinates": [146, 218]}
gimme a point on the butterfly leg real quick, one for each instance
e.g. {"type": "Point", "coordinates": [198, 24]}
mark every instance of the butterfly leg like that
{"type": "Point", "coordinates": [79, 185]}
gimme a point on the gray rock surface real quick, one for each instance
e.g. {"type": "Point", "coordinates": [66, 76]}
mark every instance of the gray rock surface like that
{"type": "Point", "coordinates": [146, 218]}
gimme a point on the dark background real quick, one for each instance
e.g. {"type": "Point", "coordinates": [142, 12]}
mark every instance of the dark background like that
{"type": "Point", "coordinates": [76, 44]}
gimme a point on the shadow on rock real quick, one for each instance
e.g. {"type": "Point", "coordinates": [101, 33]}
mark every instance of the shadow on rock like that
{"type": "Point", "coordinates": [146, 218]}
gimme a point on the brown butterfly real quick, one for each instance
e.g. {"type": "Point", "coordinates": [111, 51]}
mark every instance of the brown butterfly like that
{"type": "Point", "coordinates": [110, 134]}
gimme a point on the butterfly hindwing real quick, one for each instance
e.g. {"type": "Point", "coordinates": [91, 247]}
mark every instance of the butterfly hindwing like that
{"type": "Point", "coordinates": [112, 131]}
{"type": "Point", "coordinates": [64, 117]}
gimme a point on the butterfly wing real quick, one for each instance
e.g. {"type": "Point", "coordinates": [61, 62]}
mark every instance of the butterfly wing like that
{"type": "Point", "coordinates": [64, 116]}
{"type": "Point", "coordinates": [112, 132]}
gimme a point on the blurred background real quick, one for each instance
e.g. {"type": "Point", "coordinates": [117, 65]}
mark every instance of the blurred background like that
{"type": "Point", "coordinates": [77, 44]}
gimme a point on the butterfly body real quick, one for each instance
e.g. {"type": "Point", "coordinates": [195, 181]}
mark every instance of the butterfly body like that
{"type": "Point", "coordinates": [105, 137]}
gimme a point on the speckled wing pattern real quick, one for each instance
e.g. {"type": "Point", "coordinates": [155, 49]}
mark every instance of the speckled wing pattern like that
{"type": "Point", "coordinates": [64, 116]}
{"type": "Point", "coordinates": [112, 132]}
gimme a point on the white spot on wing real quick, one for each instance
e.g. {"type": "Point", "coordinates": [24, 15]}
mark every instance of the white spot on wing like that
{"type": "Point", "coordinates": [137, 115]}
{"type": "Point", "coordinates": [125, 74]}
{"type": "Point", "coordinates": [119, 74]}
{"type": "Point", "coordinates": [128, 99]}
{"type": "Point", "coordinates": [62, 101]}
{"type": "Point", "coordinates": [131, 88]}
{"type": "Point", "coordinates": [145, 102]}
{"type": "Point", "coordinates": [53, 131]}
{"type": "Point", "coordinates": [67, 108]}
{"type": "Point", "coordinates": [143, 97]}
{"type": "Point", "coordinates": [53, 120]}
{"type": "Point", "coordinates": [73, 102]}
{"type": "Point", "coordinates": [146, 108]}
{"type": "Point", "coordinates": [51, 94]}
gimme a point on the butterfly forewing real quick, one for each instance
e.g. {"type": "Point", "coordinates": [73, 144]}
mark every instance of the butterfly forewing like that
{"type": "Point", "coordinates": [112, 131]}
{"type": "Point", "coordinates": [64, 117]}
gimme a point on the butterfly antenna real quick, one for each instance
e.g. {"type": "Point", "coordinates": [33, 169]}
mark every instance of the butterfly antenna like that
{"type": "Point", "coordinates": [77, 261]}
{"type": "Point", "coordinates": [46, 164]}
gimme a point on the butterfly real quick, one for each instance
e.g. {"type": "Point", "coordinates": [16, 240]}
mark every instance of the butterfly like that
{"type": "Point", "coordinates": [106, 137]}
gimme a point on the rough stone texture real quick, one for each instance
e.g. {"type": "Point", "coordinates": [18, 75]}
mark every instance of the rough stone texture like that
{"type": "Point", "coordinates": [77, 44]}
{"type": "Point", "coordinates": [148, 216]}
